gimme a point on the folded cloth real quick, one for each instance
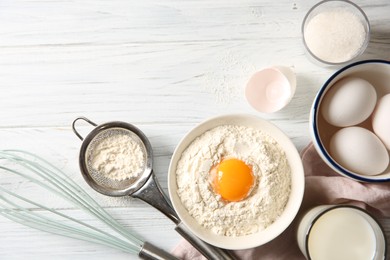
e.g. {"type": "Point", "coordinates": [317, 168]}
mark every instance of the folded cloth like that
{"type": "Point", "coordinates": [322, 186]}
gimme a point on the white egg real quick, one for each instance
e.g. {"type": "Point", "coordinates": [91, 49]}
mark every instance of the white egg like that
{"type": "Point", "coordinates": [359, 150]}
{"type": "Point", "coordinates": [348, 102]}
{"type": "Point", "coordinates": [381, 120]}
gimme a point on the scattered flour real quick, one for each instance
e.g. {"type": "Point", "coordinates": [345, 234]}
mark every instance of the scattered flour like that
{"type": "Point", "coordinates": [117, 154]}
{"type": "Point", "coordinates": [268, 197]}
{"type": "Point", "coordinates": [227, 78]}
{"type": "Point", "coordinates": [335, 35]}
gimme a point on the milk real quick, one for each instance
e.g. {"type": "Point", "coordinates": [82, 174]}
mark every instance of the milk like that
{"type": "Point", "coordinates": [340, 233]}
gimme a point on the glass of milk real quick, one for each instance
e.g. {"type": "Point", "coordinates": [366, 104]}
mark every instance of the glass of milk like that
{"type": "Point", "coordinates": [340, 232]}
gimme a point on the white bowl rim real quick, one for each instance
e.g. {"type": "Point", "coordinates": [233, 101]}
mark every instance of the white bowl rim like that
{"type": "Point", "coordinates": [314, 130]}
{"type": "Point", "coordinates": [271, 232]}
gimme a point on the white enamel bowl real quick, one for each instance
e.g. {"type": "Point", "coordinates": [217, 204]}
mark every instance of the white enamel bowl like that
{"type": "Point", "coordinates": [377, 72]}
{"type": "Point", "coordinates": [297, 184]}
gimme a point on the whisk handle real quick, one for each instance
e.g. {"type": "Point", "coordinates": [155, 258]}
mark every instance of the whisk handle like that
{"type": "Point", "coordinates": [152, 194]}
{"type": "Point", "coordinates": [150, 252]}
{"type": "Point", "coordinates": [210, 252]}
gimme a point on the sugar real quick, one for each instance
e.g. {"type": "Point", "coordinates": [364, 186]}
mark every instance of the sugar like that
{"type": "Point", "coordinates": [335, 36]}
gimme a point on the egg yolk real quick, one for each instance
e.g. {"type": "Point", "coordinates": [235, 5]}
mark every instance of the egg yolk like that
{"type": "Point", "coordinates": [232, 179]}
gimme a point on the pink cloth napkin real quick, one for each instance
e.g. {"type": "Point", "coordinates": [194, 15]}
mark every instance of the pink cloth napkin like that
{"type": "Point", "coordinates": [323, 186]}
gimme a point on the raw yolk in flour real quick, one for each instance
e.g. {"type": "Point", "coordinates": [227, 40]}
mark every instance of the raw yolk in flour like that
{"type": "Point", "coordinates": [232, 179]}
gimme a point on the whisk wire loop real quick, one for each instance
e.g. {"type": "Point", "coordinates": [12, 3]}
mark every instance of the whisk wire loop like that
{"type": "Point", "coordinates": [55, 181]}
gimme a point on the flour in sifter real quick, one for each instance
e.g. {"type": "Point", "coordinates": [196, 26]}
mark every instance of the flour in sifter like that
{"type": "Point", "coordinates": [117, 155]}
{"type": "Point", "coordinates": [266, 200]}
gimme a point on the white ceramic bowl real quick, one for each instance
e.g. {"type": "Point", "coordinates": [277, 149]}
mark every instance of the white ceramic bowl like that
{"type": "Point", "coordinates": [297, 184]}
{"type": "Point", "coordinates": [377, 72]}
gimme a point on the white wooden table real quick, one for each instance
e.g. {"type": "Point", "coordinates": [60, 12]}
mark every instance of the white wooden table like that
{"type": "Point", "coordinates": [164, 66]}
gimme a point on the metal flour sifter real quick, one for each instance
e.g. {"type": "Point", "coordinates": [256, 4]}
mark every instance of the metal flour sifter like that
{"type": "Point", "coordinates": [145, 187]}
{"type": "Point", "coordinates": [17, 204]}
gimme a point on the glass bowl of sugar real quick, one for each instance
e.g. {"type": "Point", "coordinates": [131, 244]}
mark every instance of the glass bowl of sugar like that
{"type": "Point", "coordinates": [335, 32]}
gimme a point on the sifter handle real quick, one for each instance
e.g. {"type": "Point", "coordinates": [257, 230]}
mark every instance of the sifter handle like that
{"type": "Point", "coordinates": [151, 252]}
{"type": "Point", "coordinates": [152, 194]}
{"type": "Point", "coordinates": [209, 251]}
{"type": "Point", "coordinates": [74, 126]}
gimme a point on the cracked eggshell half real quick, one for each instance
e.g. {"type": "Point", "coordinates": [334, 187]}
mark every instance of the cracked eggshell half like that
{"type": "Point", "coordinates": [271, 89]}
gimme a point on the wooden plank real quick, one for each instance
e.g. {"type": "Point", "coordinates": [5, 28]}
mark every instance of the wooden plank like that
{"type": "Point", "coordinates": [164, 66]}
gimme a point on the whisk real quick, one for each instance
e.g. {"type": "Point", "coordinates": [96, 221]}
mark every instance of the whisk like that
{"type": "Point", "coordinates": [37, 170]}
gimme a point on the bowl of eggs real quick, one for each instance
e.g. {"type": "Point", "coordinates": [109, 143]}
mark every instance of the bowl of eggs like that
{"type": "Point", "coordinates": [236, 181]}
{"type": "Point", "coordinates": [349, 121]}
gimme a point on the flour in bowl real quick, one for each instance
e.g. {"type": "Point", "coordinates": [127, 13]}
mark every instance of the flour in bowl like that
{"type": "Point", "coordinates": [267, 197]}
